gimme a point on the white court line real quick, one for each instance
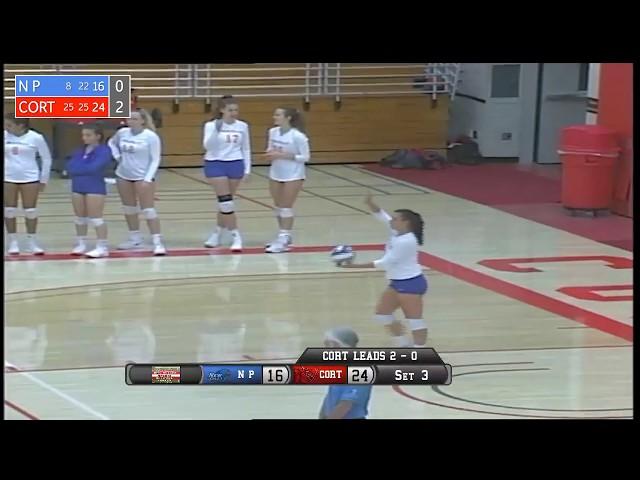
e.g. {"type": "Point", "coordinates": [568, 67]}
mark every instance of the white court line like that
{"type": "Point", "coordinates": [61, 394]}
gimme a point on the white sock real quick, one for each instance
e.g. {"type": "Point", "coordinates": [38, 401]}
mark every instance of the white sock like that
{"type": "Point", "coordinates": [420, 346]}
{"type": "Point", "coordinates": [157, 238]}
{"type": "Point", "coordinates": [102, 243]}
{"type": "Point", "coordinates": [31, 236]}
{"type": "Point", "coordinates": [235, 232]}
{"type": "Point", "coordinates": [285, 232]}
{"type": "Point", "coordinates": [401, 342]}
{"type": "Point", "coordinates": [220, 230]}
{"type": "Point", "coordinates": [13, 237]}
{"type": "Point", "coordinates": [81, 240]}
{"type": "Point", "coordinates": [135, 235]}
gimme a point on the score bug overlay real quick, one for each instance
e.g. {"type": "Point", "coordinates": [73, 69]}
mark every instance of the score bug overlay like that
{"type": "Point", "coordinates": [72, 96]}
{"type": "Point", "coordinates": [316, 366]}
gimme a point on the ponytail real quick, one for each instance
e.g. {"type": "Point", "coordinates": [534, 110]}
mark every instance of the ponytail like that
{"type": "Point", "coordinates": [296, 120]}
{"type": "Point", "coordinates": [148, 119]}
{"type": "Point", "coordinates": [415, 222]}
{"type": "Point", "coordinates": [223, 102]}
{"type": "Point", "coordinates": [21, 122]}
{"type": "Point", "coordinates": [95, 128]}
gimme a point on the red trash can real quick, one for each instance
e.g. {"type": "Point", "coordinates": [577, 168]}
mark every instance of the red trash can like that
{"type": "Point", "coordinates": [589, 154]}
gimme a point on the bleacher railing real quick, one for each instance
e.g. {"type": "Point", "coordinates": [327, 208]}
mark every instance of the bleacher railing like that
{"type": "Point", "coordinates": [302, 80]}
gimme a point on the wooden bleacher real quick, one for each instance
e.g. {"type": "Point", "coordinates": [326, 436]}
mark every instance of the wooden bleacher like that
{"type": "Point", "coordinates": [361, 128]}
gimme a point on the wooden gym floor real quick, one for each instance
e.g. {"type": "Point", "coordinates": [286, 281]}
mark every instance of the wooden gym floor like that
{"type": "Point", "coordinates": [537, 322]}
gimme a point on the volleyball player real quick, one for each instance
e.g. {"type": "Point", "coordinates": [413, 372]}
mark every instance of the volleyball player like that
{"type": "Point", "coordinates": [226, 162]}
{"type": "Point", "coordinates": [23, 178]}
{"type": "Point", "coordinates": [407, 284]}
{"type": "Point", "coordinates": [344, 401]}
{"type": "Point", "coordinates": [288, 151]}
{"type": "Point", "coordinates": [87, 171]}
{"type": "Point", "coordinates": [137, 150]}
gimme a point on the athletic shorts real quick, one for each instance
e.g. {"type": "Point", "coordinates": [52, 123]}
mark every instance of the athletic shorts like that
{"type": "Point", "coordinates": [416, 285]}
{"type": "Point", "coordinates": [88, 185]}
{"type": "Point", "coordinates": [233, 169]}
{"type": "Point", "coordinates": [134, 181]}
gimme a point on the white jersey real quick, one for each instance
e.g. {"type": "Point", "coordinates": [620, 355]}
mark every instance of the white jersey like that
{"type": "Point", "coordinates": [138, 155]}
{"type": "Point", "coordinates": [295, 142]}
{"type": "Point", "coordinates": [231, 143]}
{"type": "Point", "coordinates": [400, 260]}
{"type": "Point", "coordinates": [20, 165]}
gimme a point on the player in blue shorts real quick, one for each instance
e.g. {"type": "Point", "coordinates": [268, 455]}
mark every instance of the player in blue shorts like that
{"type": "Point", "coordinates": [227, 162]}
{"type": "Point", "coordinates": [344, 401]}
{"type": "Point", "coordinates": [407, 283]}
{"type": "Point", "coordinates": [87, 171]}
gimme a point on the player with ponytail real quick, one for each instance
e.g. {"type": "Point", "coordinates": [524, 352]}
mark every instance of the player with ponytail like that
{"type": "Point", "coordinates": [407, 282]}
{"type": "Point", "coordinates": [288, 151]}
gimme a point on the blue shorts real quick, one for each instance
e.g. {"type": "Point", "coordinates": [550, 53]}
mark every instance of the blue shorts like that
{"type": "Point", "coordinates": [233, 169]}
{"type": "Point", "coordinates": [84, 185]}
{"type": "Point", "coordinates": [416, 285]}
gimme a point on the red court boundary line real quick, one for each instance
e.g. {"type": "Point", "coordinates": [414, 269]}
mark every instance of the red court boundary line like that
{"type": "Point", "coordinates": [483, 280]}
{"type": "Point", "coordinates": [21, 410]}
{"type": "Point", "coordinates": [185, 252]}
{"type": "Point", "coordinates": [530, 297]}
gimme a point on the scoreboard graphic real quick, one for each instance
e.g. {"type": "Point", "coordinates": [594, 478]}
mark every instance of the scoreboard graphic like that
{"type": "Point", "coordinates": [316, 366]}
{"type": "Point", "coordinates": [73, 96]}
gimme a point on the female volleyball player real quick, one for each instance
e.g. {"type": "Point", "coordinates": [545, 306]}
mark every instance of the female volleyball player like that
{"type": "Point", "coordinates": [407, 283]}
{"type": "Point", "coordinates": [87, 171]}
{"type": "Point", "coordinates": [137, 150]}
{"type": "Point", "coordinates": [344, 401]}
{"type": "Point", "coordinates": [288, 151]}
{"type": "Point", "coordinates": [23, 178]}
{"type": "Point", "coordinates": [226, 162]}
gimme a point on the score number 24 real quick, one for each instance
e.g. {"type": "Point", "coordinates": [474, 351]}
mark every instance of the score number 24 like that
{"type": "Point", "coordinates": [84, 107]}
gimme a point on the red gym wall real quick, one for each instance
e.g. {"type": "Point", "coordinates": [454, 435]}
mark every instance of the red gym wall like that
{"type": "Point", "coordinates": [616, 112]}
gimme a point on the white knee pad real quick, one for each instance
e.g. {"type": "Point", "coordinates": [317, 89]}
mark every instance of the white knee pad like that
{"type": "Point", "coordinates": [81, 220]}
{"type": "Point", "coordinates": [417, 324]}
{"type": "Point", "coordinates": [285, 213]}
{"type": "Point", "coordinates": [130, 210]}
{"type": "Point", "coordinates": [226, 207]}
{"type": "Point", "coordinates": [384, 319]}
{"type": "Point", "coordinates": [150, 213]}
{"type": "Point", "coordinates": [96, 222]}
{"type": "Point", "coordinates": [31, 213]}
{"type": "Point", "coordinates": [10, 212]}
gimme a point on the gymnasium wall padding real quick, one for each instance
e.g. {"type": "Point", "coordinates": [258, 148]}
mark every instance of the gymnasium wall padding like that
{"type": "Point", "coordinates": [616, 112]}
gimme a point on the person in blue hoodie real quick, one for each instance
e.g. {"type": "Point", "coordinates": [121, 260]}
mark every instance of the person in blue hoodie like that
{"type": "Point", "coordinates": [87, 171]}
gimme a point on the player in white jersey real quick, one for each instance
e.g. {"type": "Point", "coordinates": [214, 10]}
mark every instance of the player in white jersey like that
{"type": "Point", "coordinates": [227, 162]}
{"type": "Point", "coordinates": [137, 150]}
{"type": "Point", "coordinates": [288, 151]}
{"type": "Point", "coordinates": [23, 178]}
{"type": "Point", "coordinates": [407, 282]}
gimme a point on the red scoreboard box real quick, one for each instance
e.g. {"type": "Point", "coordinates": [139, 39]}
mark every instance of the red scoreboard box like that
{"type": "Point", "coordinates": [319, 374]}
{"type": "Point", "coordinates": [59, 107]}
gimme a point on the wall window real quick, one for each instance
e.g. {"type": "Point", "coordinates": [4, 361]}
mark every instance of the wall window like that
{"type": "Point", "coordinates": [583, 78]}
{"type": "Point", "coordinates": [505, 81]}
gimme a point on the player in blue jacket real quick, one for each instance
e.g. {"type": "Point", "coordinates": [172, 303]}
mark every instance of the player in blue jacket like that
{"type": "Point", "coordinates": [345, 401]}
{"type": "Point", "coordinates": [87, 171]}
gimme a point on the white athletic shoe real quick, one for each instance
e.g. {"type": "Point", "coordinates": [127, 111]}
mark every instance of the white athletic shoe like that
{"type": "Point", "coordinates": [213, 241]}
{"type": "Point", "coordinates": [34, 248]}
{"type": "Point", "coordinates": [159, 250]}
{"type": "Point", "coordinates": [275, 240]}
{"type": "Point", "coordinates": [79, 249]}
{"type": "Point", "coordinates": [14, 248]}
{"type": "Point", "coordinates": [131, 244]}
{"type": "Point", "coordinates": [283, 244]}
{"type": "Point", "coordinates": [98, 252]}
{"type": "Point", "coordinates": [236, 246]}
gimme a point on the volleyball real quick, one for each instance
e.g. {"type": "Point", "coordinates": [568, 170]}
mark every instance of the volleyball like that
{"type": "Point", "coordinates": [342, 254]}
